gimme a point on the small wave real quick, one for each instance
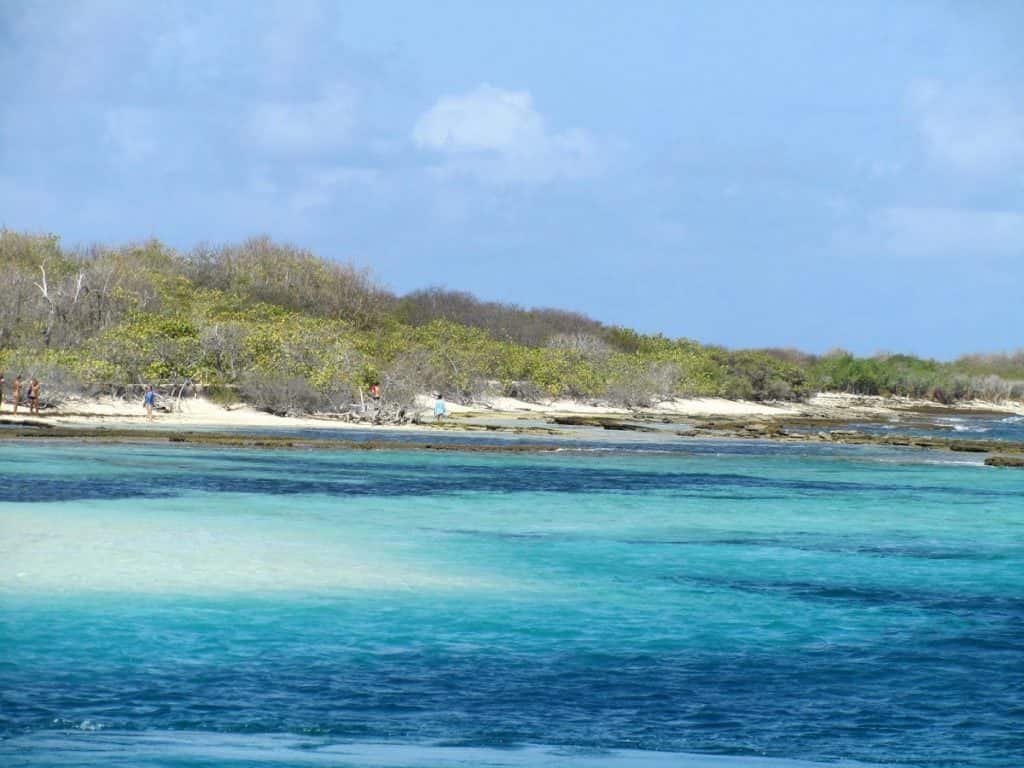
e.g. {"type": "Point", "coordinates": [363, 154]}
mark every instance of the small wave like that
{"type": "Point", "coordinates": [77, 725]}
{"type": "Point", "coordinates": [954, 462]}
{"type": "Point", "coordinates": [1012, 420]}
{"type": "Point", "coordinates": [620, 449]}
{"type": "Point", "coordinates": [176, 748]}
{"type": "Point", "coordinates": [965, 460]}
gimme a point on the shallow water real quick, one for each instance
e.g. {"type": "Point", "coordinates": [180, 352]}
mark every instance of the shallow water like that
{"type": "Point", "coordinates": [1007, 428]}
{"type": "Point", "coordinates": [168, 606]}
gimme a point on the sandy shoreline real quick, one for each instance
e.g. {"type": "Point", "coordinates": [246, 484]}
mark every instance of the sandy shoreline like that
{"type": "Point", "coordinates": [200, 413]}
{"type": "Point", "coordinates": [513, 426]}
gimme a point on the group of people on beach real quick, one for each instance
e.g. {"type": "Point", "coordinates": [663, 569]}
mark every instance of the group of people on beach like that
{"type": "Point", "coordinates": [30, 390]}
{"type": "Point", "coordinates": [440, 408]}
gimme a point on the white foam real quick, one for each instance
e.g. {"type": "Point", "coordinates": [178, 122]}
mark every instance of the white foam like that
{"type": "Point", "coordinates": [113, 748]}
{"type": "Point", "coordinates": [81, 725]}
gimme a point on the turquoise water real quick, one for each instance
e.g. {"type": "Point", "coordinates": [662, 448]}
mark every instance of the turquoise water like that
{"type": "Point", "coordinates": [738, 605]}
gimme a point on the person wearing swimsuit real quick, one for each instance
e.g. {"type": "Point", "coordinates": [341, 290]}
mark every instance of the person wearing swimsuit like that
{"type": "Point", "coordinates": [16, 392]}
{"type": "Point", "coordinates": [33, 397]}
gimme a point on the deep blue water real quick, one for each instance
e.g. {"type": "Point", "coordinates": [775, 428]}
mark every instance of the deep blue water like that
{"type": "Point", "coordinates": [737, 603]}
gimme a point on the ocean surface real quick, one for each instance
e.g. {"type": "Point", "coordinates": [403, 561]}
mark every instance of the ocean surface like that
{"type": "Point", "coordinates": [708, 603]}
{"type": "Point", "coordinates": [1009, 428]}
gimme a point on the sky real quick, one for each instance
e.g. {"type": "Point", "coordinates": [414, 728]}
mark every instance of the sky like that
{"type": "Point", "coordinates": [750, 174]}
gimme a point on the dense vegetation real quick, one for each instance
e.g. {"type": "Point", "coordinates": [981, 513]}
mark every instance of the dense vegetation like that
{"type": "Point", "coordinates": [288, 331]}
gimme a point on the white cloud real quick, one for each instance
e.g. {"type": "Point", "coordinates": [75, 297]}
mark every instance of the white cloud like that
{"type": "Point", "coordinates": [940, 234]}
{"type": "Point", "coordinates": [485, 119]}
{"type": "Point", "coordinates": [972, 129]}
{"type": "Point", "coordinates": [318, 125]}
{"type": "Point", "coordinates": [322, 188]}
{"type": "Point", "coordinates": [498, 135]}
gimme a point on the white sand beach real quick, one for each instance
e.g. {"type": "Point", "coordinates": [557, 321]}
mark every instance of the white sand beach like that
{"type": "Point", "coordinates": [201, 413]}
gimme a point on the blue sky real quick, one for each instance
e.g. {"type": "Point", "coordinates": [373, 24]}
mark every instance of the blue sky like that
{"type": "Point", "coordinates": [803, 174]}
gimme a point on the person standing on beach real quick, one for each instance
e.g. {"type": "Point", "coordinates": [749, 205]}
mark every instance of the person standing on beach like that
{"type": "Point", "coordinates": [440, 410]}
{"type": "Point", "coordinates": [16, 392]}
{"type": "Point", "coordinates": [33, 397]}
{"type": "Point", "coordinates": [148, 401]}
{"type": "Point", "coordinates": [1, 391]}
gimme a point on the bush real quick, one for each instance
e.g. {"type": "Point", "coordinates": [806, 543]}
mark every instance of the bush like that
{"type": "Point", "coordinates": [643, 384]}
{"type": "Point", "coordinates": [262, 271]}
{"type": "Point", "coordinates": [280, 394]}
{"type": "Point", "coordinates": [410, 374]}
{"type": "Point", "coordinates": [57, 378]}
{"type": "Point", "coordinates": [755, 375]}
{"type": "Point", "coordinates": [295, 332]}
{"type": "Point", "coordinates": [523, 390]}
{"type": "Point", "coordinates": [502, 322]}
{"type": "Point", "coordinates": [221, 394]}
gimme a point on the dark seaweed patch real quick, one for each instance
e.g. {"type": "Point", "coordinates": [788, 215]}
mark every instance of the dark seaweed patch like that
{"type": "Point", "coordinates": [291, 474]}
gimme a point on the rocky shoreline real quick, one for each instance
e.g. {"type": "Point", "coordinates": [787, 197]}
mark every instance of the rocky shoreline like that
{"type": "Point", "coordinates": [792, 427]}
{"type": "Point", "coordinates": [818, 428]}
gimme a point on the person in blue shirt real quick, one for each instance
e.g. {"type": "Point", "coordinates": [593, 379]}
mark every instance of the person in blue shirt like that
{"type": "Point", "coordinates": [148, 401]}
{"type": "Point", "coordinates": [440, 410]}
